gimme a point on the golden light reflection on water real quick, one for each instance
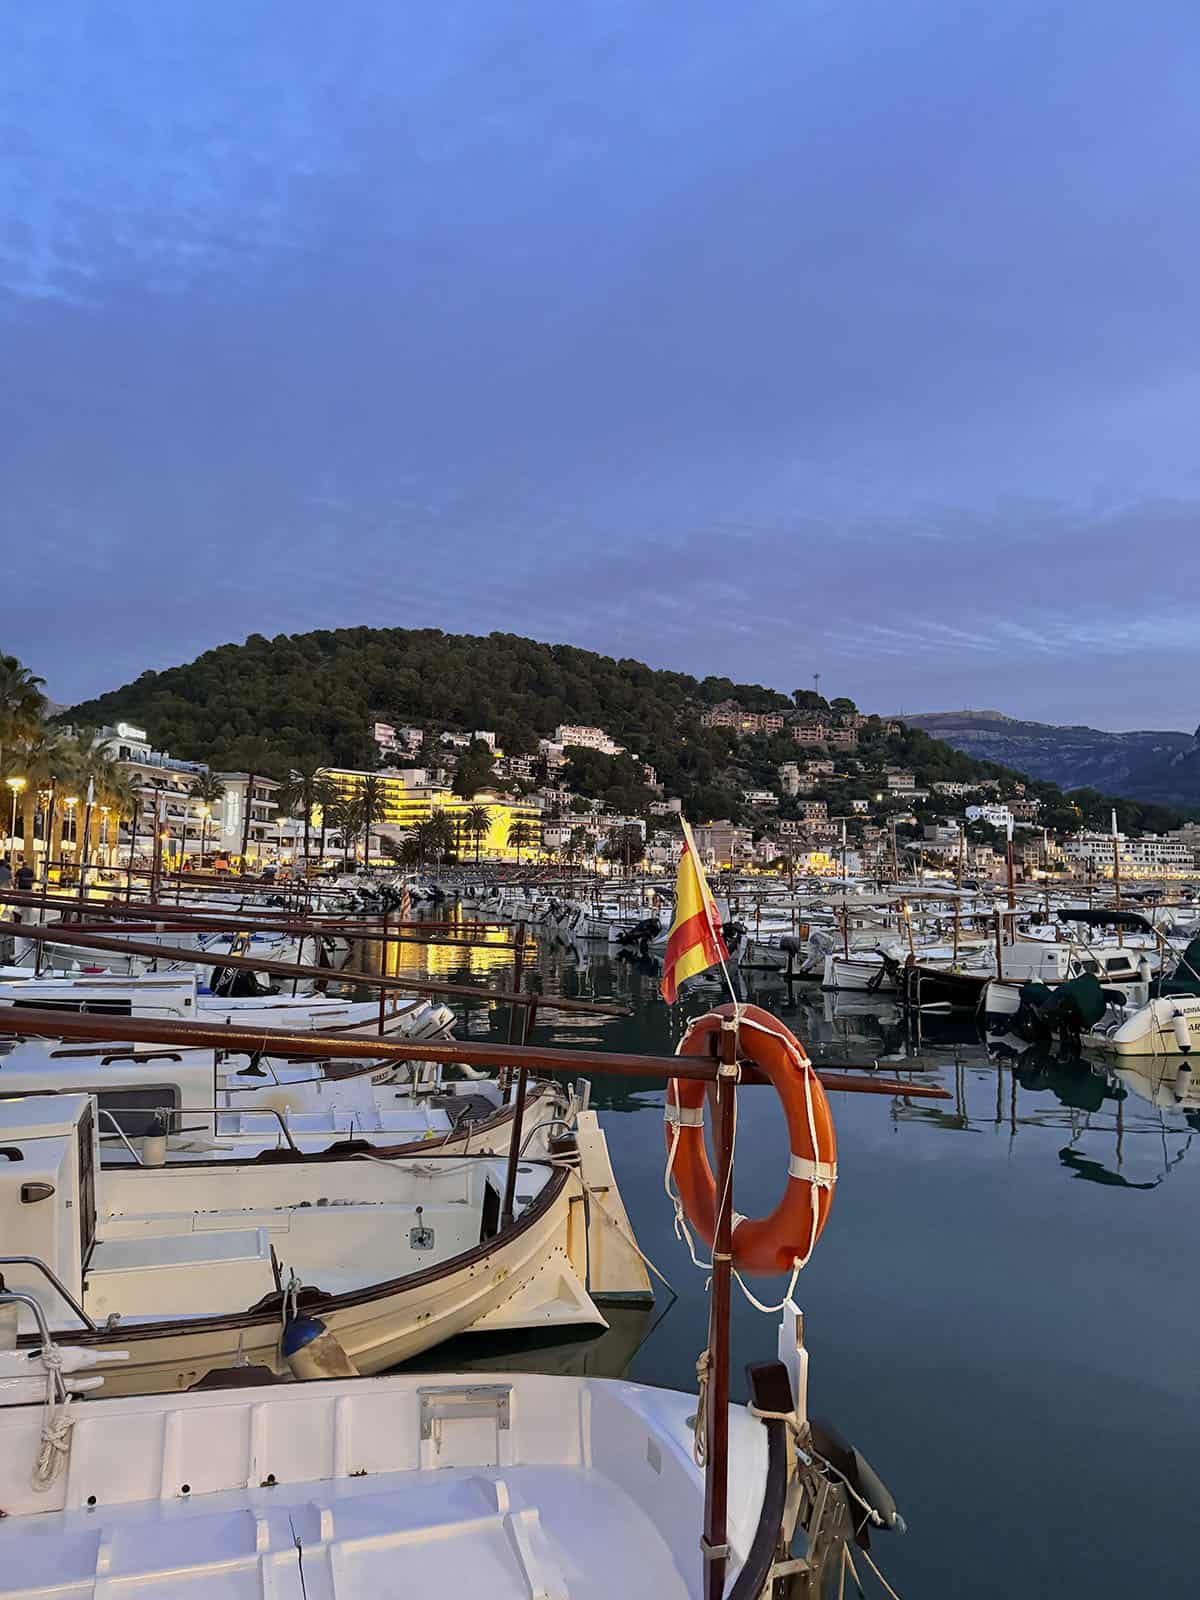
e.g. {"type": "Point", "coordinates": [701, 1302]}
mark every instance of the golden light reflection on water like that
{"type": "Point", "coordinates": [490, 953]}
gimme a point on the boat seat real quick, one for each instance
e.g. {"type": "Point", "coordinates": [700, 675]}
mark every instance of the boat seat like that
{"type": "Point", "coordinates": [150, 1274]}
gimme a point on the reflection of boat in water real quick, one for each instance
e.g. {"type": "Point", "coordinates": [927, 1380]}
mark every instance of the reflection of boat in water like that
{"type": "Point", "coordinates": [1072, 1081]}
{"type": "Point", "coordinates": [583, 1353]}
{"type": "Point", "coordinates": [1169, 1085]}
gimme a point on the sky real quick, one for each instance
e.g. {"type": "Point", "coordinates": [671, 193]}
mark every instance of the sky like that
{"type": "Point", "coordinates": [763, 340]}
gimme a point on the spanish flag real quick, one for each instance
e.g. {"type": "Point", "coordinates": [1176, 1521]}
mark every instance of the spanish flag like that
{"type": "Point", "coordinates": [694, 943]}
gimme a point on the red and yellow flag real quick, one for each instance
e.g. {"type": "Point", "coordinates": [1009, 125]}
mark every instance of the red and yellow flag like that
{"type": "Point", "coordinates": [694, 942]}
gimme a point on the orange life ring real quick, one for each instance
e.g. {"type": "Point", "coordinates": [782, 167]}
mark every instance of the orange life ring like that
{"type": "Point", "coordinates": [776, 1242]}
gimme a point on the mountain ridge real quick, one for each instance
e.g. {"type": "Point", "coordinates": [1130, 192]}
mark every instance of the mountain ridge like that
{"type": "Point", "coordinates": [1158, 765]}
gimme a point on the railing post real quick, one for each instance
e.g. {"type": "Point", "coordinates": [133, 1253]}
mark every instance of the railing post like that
{"type": "Point", "coordinates": [714, 1543]}
{"type": "Point", "coordinates": [383, 972]}
{"type": "Point", "coordinates": [517, 1034]}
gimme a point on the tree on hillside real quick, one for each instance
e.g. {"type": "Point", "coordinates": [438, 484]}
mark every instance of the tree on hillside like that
{"type": "Point", "coordinates": [474, 770]}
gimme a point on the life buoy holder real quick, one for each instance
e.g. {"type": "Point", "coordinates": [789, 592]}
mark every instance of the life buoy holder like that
{"type": "Point", "coordinates": [785, 1239]}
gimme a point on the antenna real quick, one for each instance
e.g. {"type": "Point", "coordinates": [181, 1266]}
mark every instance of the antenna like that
{"type": "Point", "coordinates": [816, 683]}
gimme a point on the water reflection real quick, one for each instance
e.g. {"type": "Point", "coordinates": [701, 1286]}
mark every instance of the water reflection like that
{"type": "Point", "coordinates": [1003, 1265]}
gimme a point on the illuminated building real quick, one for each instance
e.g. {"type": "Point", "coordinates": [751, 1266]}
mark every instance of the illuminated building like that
{"type": "Point", "coordinates": [406, 805]}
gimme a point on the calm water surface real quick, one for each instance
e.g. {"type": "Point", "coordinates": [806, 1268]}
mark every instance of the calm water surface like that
{"type": "Point", "coordinates": [1002, 1312]}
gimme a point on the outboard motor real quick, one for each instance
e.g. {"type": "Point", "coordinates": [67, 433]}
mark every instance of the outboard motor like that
{"type": "Point", "coordinates": [640, 936]}
{"type": "Point", "coordinates": [733, 933]}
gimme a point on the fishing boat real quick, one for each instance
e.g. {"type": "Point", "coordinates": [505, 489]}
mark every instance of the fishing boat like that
{"type": "Point", "coordinates": [248, 1002]}
{"type": "Point", "coordinates": [192, 1266]}
{"type": "Point", "coordinates": [196, 1103]}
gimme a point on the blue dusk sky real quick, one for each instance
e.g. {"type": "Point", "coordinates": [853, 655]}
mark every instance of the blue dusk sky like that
{"type": "Point", "coordinates": [851, 336]}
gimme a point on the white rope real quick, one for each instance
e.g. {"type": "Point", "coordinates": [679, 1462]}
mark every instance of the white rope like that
{"type": "Point", "coordinates": [700, 1431]}
{"type": "Point", "coordinates": [625, 1235]}
{"type": "Point", "coordinates": [56, 1423]}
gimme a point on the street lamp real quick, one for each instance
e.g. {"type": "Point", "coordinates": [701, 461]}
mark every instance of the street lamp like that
{"type": "Point", "coordinates": [104, 810]}
{"type": "Point", "coordinates": [16, 785]}
{"type": "Point", "coordinates": [71, 801]}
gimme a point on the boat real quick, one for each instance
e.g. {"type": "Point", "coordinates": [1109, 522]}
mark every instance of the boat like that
{"type": "Point", "coordinates": [510, 1484]}
{"type": "Point", "coordinates": [243, 1000]}
{"type": "Point", "coordinates": [197, 1103]}
{"type": "Point", "coordinates": [191, 1266]}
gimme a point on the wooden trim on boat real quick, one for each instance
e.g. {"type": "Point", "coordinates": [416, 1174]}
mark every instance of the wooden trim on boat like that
{"type": "Point", "coordinates": [266, 1313]}
{"type": "Point", "coordinates": [770, 1390]}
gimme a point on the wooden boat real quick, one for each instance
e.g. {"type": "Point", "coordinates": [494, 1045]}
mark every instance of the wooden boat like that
{"type": "Point", "coordinates": [203, 1104]}
{"type": "Point", "coordinates": [191, 1267]}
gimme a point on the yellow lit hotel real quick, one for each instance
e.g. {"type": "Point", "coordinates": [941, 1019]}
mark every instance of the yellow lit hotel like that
{"type": "Point", "coordinates": [406, 805]}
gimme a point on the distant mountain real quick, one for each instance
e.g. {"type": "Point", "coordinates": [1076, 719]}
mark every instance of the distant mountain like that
{"type": "Point", "coordinates": [1162, 767]}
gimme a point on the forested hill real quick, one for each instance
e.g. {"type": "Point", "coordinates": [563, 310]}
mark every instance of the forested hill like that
{"type": "Point", "coordinates": [301, 699]}
{"type": "Point", "coordinates": [315, 695]}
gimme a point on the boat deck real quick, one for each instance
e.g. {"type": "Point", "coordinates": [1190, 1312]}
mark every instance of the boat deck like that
{"type": "Point", "coordinates": [562, 1489]}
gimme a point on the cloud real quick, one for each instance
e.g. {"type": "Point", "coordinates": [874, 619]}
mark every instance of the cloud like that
{"type": "Point", "coordinates": [860, 339]}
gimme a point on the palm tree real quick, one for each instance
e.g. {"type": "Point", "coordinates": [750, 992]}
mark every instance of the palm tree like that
{"type": "Point", "coordinates": [325, 794]}
{"type": "Point", "coordinates": [520, 836]}
{"type": "Point", "coordinates": [38, 757]}
{"type": "Point", "coordinates": [300, 794]}
{"type": "Point", "coordinates": [22, 703]}
{"type": "Point", "coordinates": [124, 800]}
{"type": "Point", "coordinates": [371, 800]}
{"type": "Point", "coordinates": [578, 844]}
{"type": "Point", "coordinates": [208, 789]}
{"type": "Point", "coordinates": [435, 836]}
{"type": "Point", "coordinates": [342, 816]}
{"type": "Point", "coordinates": [477, 820]}
{"type": "Point", "coordinates": [89, 769]}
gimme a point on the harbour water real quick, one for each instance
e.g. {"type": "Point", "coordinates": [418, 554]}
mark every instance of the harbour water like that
{"type": "Point", "coordinates": [1001, 1313]}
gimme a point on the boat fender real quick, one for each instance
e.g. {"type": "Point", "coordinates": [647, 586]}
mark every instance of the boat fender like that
{"type": "Point", "coordinates": [1183, 1081]}
{"type": "Point", "coordinates": [311, 1351]}
{"type": "Point", "coordinates": [1183, 1037]}
{"type": "Point", "coordinates": [1143, 970]}
{"type": "Point", "coordinates": [862, 1477]}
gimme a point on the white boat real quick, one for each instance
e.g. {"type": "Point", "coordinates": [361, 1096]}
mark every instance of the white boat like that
{"type": "Point", "coordinates": [199, 1103]}
{"type": "Point", "coordinates": [192, 1267]}
{"type": "Point", "coordinates": [1164, 1027]}
{"type": "Point", "coordinates": [519, 1485]}
{"type": "Point", "coordinates": [181, 997]}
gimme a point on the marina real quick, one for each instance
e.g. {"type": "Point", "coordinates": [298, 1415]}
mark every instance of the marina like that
{"type": "Point", "coordinates": [599, 805]}
{"type": "Point", "coordinates": [1071, 1133]}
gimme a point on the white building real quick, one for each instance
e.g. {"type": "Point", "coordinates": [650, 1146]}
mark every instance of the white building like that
{"type": "Point", "coordinates": [390, 739]}
{"type": "Point", "coordinates": [262, 836]}
{"type": "Point", "coordinates": [568, 733]}
{"type": "Point", "coordinates": [999, 816]}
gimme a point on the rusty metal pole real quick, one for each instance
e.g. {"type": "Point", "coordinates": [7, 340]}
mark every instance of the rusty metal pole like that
{"type": "Point", "coordinates": [714, 1544]}
{"type": "Point", "coordinates": [518, 1032]}
{"type": "Point", "coordinates": [383, 972]}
